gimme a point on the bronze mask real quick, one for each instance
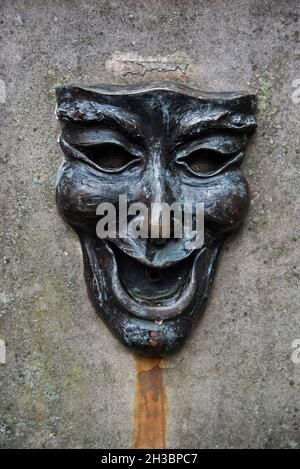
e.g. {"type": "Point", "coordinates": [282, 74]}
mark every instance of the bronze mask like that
{"type": "Point", "coordinates": [157, 142]}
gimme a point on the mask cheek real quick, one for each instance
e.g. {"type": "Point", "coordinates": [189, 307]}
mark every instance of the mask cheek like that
{"type": "Point", "coordinates": [226, 208]}
{"type": "Point", "coordinates": [78, 194]}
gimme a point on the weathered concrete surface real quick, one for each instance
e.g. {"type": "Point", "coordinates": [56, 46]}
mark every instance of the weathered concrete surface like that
{"type": "Point", "coordinates": [67, 381]}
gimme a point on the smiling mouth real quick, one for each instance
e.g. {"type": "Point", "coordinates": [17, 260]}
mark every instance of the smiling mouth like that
{"type": "Point", "coordinates": [151, 293]}
{"type": "Point", "coordinates": [154, 295]}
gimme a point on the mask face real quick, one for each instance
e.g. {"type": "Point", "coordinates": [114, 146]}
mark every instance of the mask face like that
{"type": "Point", "coordinates": [157, 143]}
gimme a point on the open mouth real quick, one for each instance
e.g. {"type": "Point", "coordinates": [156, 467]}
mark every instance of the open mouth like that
{"type": "Point", "coordinates": [152, 293]}
{"type": "Point", "coordinates": [151, 284]}
{"type": "Point", "coordinates": [149, 309]}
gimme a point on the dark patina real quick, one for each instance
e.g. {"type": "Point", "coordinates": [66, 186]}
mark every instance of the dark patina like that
{"type": "Point", "coordinates": [158, 142]}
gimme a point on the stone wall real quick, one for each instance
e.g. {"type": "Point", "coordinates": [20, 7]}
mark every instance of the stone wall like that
{"type": "Point", "coordinates": [67, 382]}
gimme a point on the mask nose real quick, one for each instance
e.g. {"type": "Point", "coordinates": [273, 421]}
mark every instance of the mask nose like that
{"type": "Point", "coordinates": [160, 195]}
{"type": "Point", "coordinates": [156, 225]}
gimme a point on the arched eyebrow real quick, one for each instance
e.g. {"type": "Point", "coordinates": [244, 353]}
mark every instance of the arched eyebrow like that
{"type": "Point", "coordinates": [89, 112]}
{"type": "Point", "coordinates": [196, 124]}
{"type": "Point", "coordinates": [85, 137]}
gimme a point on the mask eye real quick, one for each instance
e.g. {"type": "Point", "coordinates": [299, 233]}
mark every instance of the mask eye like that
{"type": "Point", "coordinates": [204, 161]}
{"type": "Point", "coordinates": [109, 157]}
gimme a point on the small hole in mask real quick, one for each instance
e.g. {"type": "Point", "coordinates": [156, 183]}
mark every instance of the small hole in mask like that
{"type": "Point", "coordinates": [153, 275]}
{"type": "Point", "coordinates": [204, 161]}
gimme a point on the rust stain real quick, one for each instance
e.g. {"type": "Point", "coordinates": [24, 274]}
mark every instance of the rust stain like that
{"type": "Point", "coordinates": [151, 407]}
